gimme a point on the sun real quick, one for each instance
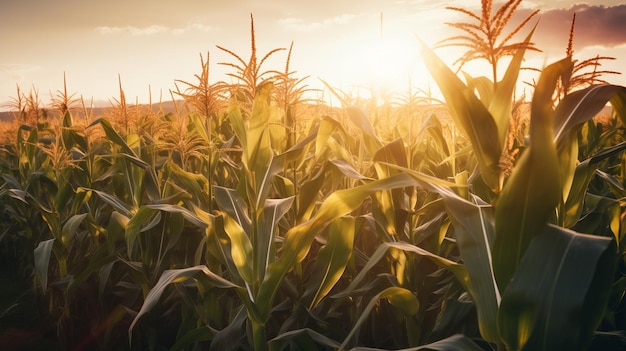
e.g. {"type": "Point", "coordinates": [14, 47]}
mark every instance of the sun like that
{"type": "Point", "coordinates": [372, 63]}
{"type": "Point", "coordinates": [383, 66]}
{"type": "Point", "coordinates": [384, 61]}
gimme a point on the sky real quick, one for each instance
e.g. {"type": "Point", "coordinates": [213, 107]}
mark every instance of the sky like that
{"type": "Point", "coordinates": [351, 44]}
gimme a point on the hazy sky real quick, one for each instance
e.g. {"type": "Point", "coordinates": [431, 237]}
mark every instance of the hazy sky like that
{"type": "Point", "coordinates": [153, 43]}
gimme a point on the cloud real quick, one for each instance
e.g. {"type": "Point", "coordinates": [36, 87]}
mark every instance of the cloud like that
{"type": "Point", "coordinates": [300, 25]}
{"type": "Point", "coordinates": [15, 71]}
{"type": "Point", "coordinates": [152, 30]}
{"type": "Point", "coordinates": [595, 25]}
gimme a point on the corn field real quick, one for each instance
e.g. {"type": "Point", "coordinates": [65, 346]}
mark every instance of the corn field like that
{"type": "Point", "coordinates": [252, 218]}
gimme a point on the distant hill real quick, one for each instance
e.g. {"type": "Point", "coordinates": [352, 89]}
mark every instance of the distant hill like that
{"type": "Point", "coordinates": [96, 112]}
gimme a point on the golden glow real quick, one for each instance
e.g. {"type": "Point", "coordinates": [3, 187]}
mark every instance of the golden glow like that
{"type": "Point", "coordinates": [380, 66]}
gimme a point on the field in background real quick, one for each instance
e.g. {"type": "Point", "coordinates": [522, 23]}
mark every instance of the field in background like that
{"type": "Point", "coordinates": [246, 216]}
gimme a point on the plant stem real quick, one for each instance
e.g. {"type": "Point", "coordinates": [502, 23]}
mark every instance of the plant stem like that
{"type": "Point", "coordinates": [258, 335]}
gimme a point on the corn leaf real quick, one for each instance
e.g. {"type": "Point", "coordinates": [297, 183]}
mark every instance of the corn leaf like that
{"type": "Point", "coordinates": [307, 197]}
{"type": "Point", "coordinates": [232, 203]}
{"type": "Point", "coordinates": [265, 177]}
{"type": "Point", "coordinates": [302, 339]}
{"type": "Point", "coordinates": [557, 297]}
{"type": "Point", "coordinates": [573, 111]}
{"type": "Point", "coordinates": [240, 249]}
{"type": "Point", "coordinates": [327, 127]}
{"type": "Point", "coordinates": [602, 217]}
{"type": "Point", "coordinates": [500, 106]}
{"type": "Point", "coordinates": [116, 228]}
{"type": "Point", "coordinates": [239, 127]}
{"type": "Point", "coordinates": [455, 342]}
{"type": "Point", "coordinates": [188, 215]}
{"type": "Point", "coordinates": [175, 276]}
{"type": "Point", "coordinates": [483, 85]}
{"type": "Point", "coordinates": [267, 231]}
{"type": "Point", "coordinates": [348, 169]}
{"type": "Point", "coordinates": [193, 337]}
{"type": "Point", "coordinates": [143, 219]}
{"type": "Point", "coordinates": [473, 224]}
{"type": "Point", "coordinates": [584, 172]}
{"type": "Point", "coordinates": [533, 190]}
{"type": "Point", "coordinates": [42, 260]}
{"type": "Point", "coordinates": [619, 105]}
{"type": "Point", "coordinates": [398, 297]}
{"type": "Point", "coordinates": [112, 201]}
{"type": "Point", "coordinates": [116, 138]}
{"type": "Point", "coordinates": [457, 269]}
{"type": "Point", "coordinates": [469, 113]}
{"type": "Point", "coordinates": [229, 338]}
{"type": "Point", "coordinates": [331, 259]}
{"type": "Point", "coordinates": [257, 158]}
{"type": "Point", "coordinates": [359, 117]}
{"type": "Point", "coordinates": [70, 227]}
{"type": "Point", "coordinates": [580, 106]}
{"type": "Point", "coordinates": [298, 239]}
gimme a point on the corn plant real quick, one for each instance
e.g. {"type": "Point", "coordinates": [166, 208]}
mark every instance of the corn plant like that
{"type": "Point", "coordinates": [500, 243]}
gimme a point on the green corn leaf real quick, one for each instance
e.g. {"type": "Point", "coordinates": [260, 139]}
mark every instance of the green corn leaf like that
{"type": "Point", "coordinates": [307, 197]}
{"type": "Point", "coordinates": [240, 250]}
{"type": "Point", "coordinates": [219, 243]}
{"type": "Point", "coordinates": [468, 113]}
{"type": "Point", "coordinates": [619, 105]}
{"type": "Point", "coordinates": [70, 227]}
{"type": "Point", "coordinates": [298, 239]}
{"type": "Point", "coordinates": [81, 197]}
{"type": "Point", "coordinates": [327, 127]}
{"type": "Point", "coordinates": [188, 215]}
{"type": "Point", "coordinates": [232, 203]}
{"type": "Point", "coordinates": [296, 152]}
{"type": "Point", "coordinates": [302, 339]}
{"type": "Point", "coordinates": [390, 202]}
{"type": "Point", "coordinates": [455, 342]}
{"type": "Point", "coordinates": [116, 229]}
{"type": "Point", "coordinates": [500, 106]}
{"type": "Point", "coordinates": [580, 106]}
{"type": "Point", "coordinates": [237, 123]}
{"type": "Point", "coordinates": [112, 201]}
{"type": "Point", "coordinates": [175, 276]}
{"type": "Point", "coordinates": [348, 169]}
{"type": "Point", "coordinates": [457, 269]}
{"type": "Point", "coordinates": [99, 259]}
{"type": "Point", "coordinates": [258, 158]}
{"type": "Point", "coordinates": [533, 190]}
{"type": "Point", "coordinates": [359, 117]}
{"type": "Point", "coordinates": [558, 294]}
{"type": "Point", "coordinates": [265, 176]}
{"type": "Point", "coordinates": [583, 174]}
{"type": "Point", "coordinates": [602, 217]}
{"type": "Point", "coordinates": [194, 183]}
{"type": "Point", "coordinates": [142, 219]}
{"type": "Point", "coordinates": [573, 111]}
{"type": "Point", "coordinates": [230, 338]}
{"type": "Point", "coordinates": [103, 275]}
{"type": "Point", "coordinates": [398, 297]}
{"type": "Point", "coordinates": [331, 259]}
{"type": "Point", "coordinates": [267, 231]}
{"type": "Point", "coordinates": [174, 224]}
{"type": "Point", "coordinates": [483, 85]}
{"type": "Point", "coordinates": [193, 337]}
{"type": "Point", "coordinates": [42, 260]}
{"type": "Point", "coordinates": [136, 180]}
{"type": "Point", "coordinates": [474, 231]}
{"type": "Point", "coordinates": [116, 138]}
